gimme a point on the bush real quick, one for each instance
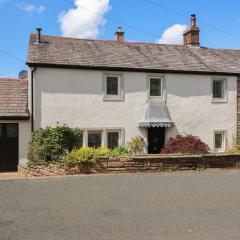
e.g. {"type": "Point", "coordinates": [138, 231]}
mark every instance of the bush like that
{"type": "Point", "coordinates": [102, 152]}
{"type": "Point", "coordinates": [50, 144]}
{"type": "Point", "coordinates": [186, 145]}
{"type": "Point", "coordinates": [136, 145]}
{"type": "Point", "coordinates": [119, 151]}
{"type": "Point", "coordinates": [236, 146]}
{"type": "Point", "coordinates": [82, 156]}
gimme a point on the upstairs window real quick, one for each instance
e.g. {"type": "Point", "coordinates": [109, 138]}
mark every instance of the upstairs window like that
{"type": "Point", "coordinates": [112, 85]}
{"type": "Point", "coordinates": [219, 90]}
{"type": "Point", "coordinates": [155, 87]}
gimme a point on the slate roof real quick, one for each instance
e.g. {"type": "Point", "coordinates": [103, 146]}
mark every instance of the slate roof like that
{"type": "Point", "coordinates": [98, 54]}
{"type": "Point", "coordinates": [13, 99]}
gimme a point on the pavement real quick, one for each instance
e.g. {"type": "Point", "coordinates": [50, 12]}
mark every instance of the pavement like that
{"type": "Point", "coordinates": [9, 175]}
{"type": "Point", "coordinates": [160, 206]}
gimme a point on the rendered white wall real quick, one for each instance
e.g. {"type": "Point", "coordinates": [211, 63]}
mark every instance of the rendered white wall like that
{"type": "Point", "coordinates": [75, 98]}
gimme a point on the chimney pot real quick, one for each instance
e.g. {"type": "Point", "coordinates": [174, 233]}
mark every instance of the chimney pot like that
{"type": "Point", "coordinates": [191, 35]}
{"type": "Point", "coordinates": [38, 35]}
{"type": "Point", "coordinates": [193, 20]}
{"type": "Point", "coordinates": [119, 34]}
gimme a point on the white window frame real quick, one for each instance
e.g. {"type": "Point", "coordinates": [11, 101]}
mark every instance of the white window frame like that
{"type": "Point", "coordinates": [104, 132]}
{"type": "Point", "coordinates": [117, 97]}
{"type": "Point", "coordinates": [223, 132]}
{"type": "Point", "coordinates": [96, 131]}
{"type": "Point", "coordinates": [119, 136]}
{"type": "Point", "coordinates": [224, 98]}
{"type": "Point", "coordinates": [149, 77]}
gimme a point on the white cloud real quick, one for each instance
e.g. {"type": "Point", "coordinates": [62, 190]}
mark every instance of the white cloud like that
{"type": "Point", "coordinates": [31, 8]}
{"type": "Point", "coordinates": [85, 19]}
{"type": "Point", "coordinates": [173, 35]}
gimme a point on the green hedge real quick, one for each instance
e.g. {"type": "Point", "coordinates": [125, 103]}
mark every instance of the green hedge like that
{"type": "Point", "coordinates": [51, 144]}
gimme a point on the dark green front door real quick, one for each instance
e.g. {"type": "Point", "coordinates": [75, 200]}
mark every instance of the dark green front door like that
{"type": "Point", "coordinates": [156, 139]}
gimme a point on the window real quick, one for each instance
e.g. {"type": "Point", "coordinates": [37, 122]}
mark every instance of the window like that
{"type": "Point", "coordinates": [112, 85]}
{"type": "Point", "coordinates": [155, 87]}
{"type": "Point", "coordinates": [219, 140]}
{"type": "Point", "coordinates": [12, 130]}
{"type": "Point", "coordinates": [94, 139]}
{"type": "Point", "coordinates": [218, 89]}
{"type": "Point", "coordinates": [112, 139]}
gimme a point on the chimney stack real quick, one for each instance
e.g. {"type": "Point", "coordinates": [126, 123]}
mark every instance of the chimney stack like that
{"type": "Point", "coordinates": [38, 40]}
{"type": "Point", "coordinates": [119, 35]}
{"type": "Point", "coordinates": [191, 35]}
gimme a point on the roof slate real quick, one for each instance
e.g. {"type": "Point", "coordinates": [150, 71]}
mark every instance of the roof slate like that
{"type": "Point", "coordinates": [13, 99]}
{"type": "Point", "coordinates": [72, 52]}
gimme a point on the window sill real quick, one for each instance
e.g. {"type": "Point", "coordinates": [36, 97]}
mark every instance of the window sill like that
{"type": "Point", "coordinates": [220, 100]}
{"type": "Point", "coordinates": [219, 150]}
{"type": "Point", "coordinates": [113, 99]}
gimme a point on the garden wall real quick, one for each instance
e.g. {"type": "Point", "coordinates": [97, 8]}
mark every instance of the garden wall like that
{"type": "Point", "coordinates": [143, 163]}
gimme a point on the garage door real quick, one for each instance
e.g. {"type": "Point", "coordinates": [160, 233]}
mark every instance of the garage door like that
{"type": "Point", "coordinates": [8, 147]}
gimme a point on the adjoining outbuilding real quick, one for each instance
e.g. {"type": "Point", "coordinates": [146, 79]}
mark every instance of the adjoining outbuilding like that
{"type": "Point", "coordinates": [14, 123]}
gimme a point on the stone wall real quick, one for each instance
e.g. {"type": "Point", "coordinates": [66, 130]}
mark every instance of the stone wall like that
{"type": "Point", "coordinates": [42, 170]}
{"type": "Point", "coordinates": [144, 163]}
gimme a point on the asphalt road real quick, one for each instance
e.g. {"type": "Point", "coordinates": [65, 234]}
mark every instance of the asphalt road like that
{"type": "Point", "coordinates": [164, 206]}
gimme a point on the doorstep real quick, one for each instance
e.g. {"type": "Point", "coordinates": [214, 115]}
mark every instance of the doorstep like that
{"type": "Point", "coordinates": [9, 175]}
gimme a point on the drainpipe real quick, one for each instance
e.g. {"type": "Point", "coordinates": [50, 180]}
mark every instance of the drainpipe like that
{"type": "Point", "coordinates": [32, 101]}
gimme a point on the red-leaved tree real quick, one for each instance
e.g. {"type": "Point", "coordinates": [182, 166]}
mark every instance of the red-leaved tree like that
{"type": "Point", "coordinates": [185, 144]}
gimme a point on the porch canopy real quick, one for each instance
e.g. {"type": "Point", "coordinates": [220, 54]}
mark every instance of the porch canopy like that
{"type": "Point", "coordinates": [156, 115]}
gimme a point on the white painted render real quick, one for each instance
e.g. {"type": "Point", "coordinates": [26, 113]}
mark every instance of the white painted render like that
{"type": "Point", "coordinates": [76, 98]}
{"type": "Point", "coordinates": [24, 134]}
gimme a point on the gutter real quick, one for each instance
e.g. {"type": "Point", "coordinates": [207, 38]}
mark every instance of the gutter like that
{"type": "Point", "coordinates": [145, 70]}
{"type": "Point", "coordinates": [32, 103]}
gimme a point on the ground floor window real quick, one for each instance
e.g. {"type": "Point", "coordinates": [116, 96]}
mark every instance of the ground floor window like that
{"type": "Point", "coordinates": [112, 140]}
{"type": "Point", "coordinates": [219, 141]}
{"type": "Point", "coordinates": [95, 139]}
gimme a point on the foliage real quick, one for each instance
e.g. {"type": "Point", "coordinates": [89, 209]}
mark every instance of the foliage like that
{"type": "Point", "coordinates": [102, 152]}
{"type": "Point", "coordinates": [236, 146]}
{"type": "Point", "coordinates": [186, 145]}
{"type": "Point", "coordinates": [119, 151]}
{"type": "Point", "coordinates": [82, 156]}
{"type": "Point", "coordinates": [136, 145]}
{"type": "Point", "coordinates": [50, 144]}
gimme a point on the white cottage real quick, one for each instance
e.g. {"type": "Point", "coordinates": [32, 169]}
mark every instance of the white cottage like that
{"type": "Point", "coordinates": [116, 90]}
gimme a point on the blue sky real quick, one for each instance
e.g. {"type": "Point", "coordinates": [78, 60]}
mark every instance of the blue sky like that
{"type": "Point", "coordinates": [157, 20]}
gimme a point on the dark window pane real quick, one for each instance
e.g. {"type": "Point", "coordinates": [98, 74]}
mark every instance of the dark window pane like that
{"type": "Point", "coordinates": [112, 85]}
{"type": "Point", "coordinates": [12, 130]}
{"type": "Point", "coordinates": [218, 89]}
{"type": "Point", "coordinates": [94, 139]}
{"type": "Point", "coordinates": [155, 87]}
{"type": "Point", "coordinates": [218, 140]}
{"type": "Point", "coordinates": [113, 139]}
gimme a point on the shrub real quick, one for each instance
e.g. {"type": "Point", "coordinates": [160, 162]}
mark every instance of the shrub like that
{"type": "Point", "coordinates": [236, 146]}
{"type": "Point", "coordinates": [119, 151]}
{"type": "Point", "coordinates": [50, 144]}
{"type": "Point", "coordinates": [102, 152]}
{"type": "Point", "coordinates": [82, 156]}
{"type": "Point", "coordinates": [186, 145]}
{"type": "Point", "coordinates": [136, 145]}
